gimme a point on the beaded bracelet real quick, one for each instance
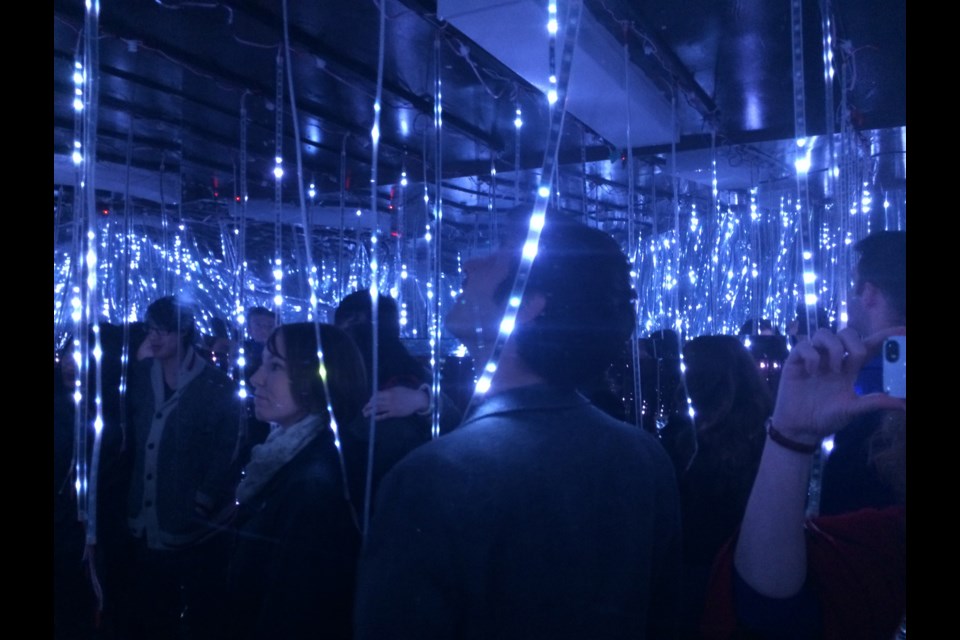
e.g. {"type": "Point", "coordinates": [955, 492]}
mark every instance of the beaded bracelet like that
{"type": "Point", "coordinates": [787, 443]}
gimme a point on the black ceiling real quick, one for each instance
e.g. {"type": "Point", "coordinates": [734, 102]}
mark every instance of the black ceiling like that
{"type": "Point", "coordinates": [174, 76]}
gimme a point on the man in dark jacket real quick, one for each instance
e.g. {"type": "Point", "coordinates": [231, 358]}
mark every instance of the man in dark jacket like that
{"type": "Point", "coordinates": [185, 424]}
{"type": "Point", "coordinates": [851, 479]}
{"type": "Point", "coordinates": [541, 516]}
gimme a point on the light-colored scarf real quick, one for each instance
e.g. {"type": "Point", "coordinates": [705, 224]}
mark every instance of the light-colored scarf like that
{"type": "Point", "coordinates": [278, 449]}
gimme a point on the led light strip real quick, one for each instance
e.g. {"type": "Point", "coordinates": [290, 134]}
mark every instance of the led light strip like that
{"type": "Point", "coordinates": [538, 217]}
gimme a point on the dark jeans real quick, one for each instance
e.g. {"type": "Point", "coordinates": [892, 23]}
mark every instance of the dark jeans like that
{"type": "Point", "coordinates": [175, 595]}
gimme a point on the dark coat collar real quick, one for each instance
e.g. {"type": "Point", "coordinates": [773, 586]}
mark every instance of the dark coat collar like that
{"type": "Point", "coordinates": [537, 397]}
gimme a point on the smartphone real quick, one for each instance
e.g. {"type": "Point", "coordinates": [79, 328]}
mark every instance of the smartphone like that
{"type": "Point", "coordinates": [895, 366]}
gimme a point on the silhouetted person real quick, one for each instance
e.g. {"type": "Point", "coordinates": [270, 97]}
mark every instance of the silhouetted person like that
{"type": "Point", "coordinates": [402, 401]}
{"type": "Point", "coordinates": [540, 516]}
{"type": "Point", "coordinates": [878, 301]}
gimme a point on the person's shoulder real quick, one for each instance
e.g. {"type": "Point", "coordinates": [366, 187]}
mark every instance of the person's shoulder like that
{"type": "Point", "coordinates": [593, 419]}
{"type": "Point", "coordinates": [634, 439]}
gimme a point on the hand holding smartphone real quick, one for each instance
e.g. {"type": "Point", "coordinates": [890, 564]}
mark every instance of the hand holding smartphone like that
{"type": "Point", "coordinates": [895, 366]}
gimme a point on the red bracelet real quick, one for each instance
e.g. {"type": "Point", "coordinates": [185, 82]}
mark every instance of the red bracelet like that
{"type": "Point", "coordinates": [787, 443]}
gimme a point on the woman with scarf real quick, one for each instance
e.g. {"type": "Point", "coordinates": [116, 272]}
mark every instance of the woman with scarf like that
{"type": "Point", "coordinates": [292, 570]}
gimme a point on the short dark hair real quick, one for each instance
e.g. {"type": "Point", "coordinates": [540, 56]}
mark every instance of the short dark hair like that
{"type": "Point", "coordinates": [258, 311]}
{"type": "Point", "coordinates": [358, 304]}
{"type": "Point", "coordinates": [395, 365]}
{"type": "Point", "coordinates": [883, 263]}
{"type": "Point", "coordinates": [170, 314]}
{"type": "Point", "coordinates": [589, 311]}
{"type": "Point", "coordinates": [346, 375]}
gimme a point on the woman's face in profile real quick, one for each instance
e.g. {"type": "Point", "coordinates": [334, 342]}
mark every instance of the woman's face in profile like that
{"type": "Point", "coordinates": [273, 396]}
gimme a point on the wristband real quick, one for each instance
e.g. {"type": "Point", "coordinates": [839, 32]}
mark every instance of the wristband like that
{"type": "Point", "coordinates": [787, 443]}
{"type": "Point", "coordinates": [425, 388]}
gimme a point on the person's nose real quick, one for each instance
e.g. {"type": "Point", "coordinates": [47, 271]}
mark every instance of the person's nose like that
{"type": "Point", "coordinates": [256, 380]}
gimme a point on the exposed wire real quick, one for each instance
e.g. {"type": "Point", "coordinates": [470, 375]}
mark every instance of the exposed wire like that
{"type": "Point", "coordinates": [198, 5]}
{"type": "Point", "coordinates": [463, 51]}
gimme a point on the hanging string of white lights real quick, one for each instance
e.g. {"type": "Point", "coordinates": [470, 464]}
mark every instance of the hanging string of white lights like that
{"type": "Point", "coordinates": [278, 193]}
{"type": "Point", "coordinates": [125, 242]}
{"type": "Point", "coordinates": [374, 288]}
{"type": "Point", "coordinates": [804, 215]}
{"type": "Point", "coordinates": [435, 282]}
{"type": "Point", "coordinates": [634, 239]}
{"type": "Point", "coordinates": [311, 269]}
{"type": "Point", "coordinates": [240, 286]}
{"type": "Point", "coordinates": [671, 278]}
{"type": "Point", "coordinates": [341, 269]}
{"type": "Point", "coordinates": [90, 355]}
{"type": "Point", "coordinates": [831, 269]}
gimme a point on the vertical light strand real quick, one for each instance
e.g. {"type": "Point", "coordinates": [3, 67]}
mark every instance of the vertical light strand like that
{"type": "Point", "coordinates": [61, 288]}
{"type": "Point", "coordinates": [844, 175]}
{"type": "Point", "coordinates": [76, 284]}
{"type": "Point", "coordinates": [278, 193]}
{"type": "Point", "coordinates": [492, 202]}
{"type": "Point", "coordinates": [804, 214]}
{"type": "Point", "coordinates": [552, 27]}
{"type": "Point", "coordinates": [309, 268]}
{"type": "Point", "coordinates": [833, 272]}
{"type": "Point", "coordinates": [803, 153]}
{"type": "Point", "coordinates": [87, 475]}
{"type": "Point", "coordinates": [341, 268]}
{"type": "Point", "coordinates": [374, 263]}
{"type": "Point", "coordinates": [756, 255]}
{"type": "Point", "coordinates": [240, 286]}
{"type": "Point", "coordinates": [125, 287]}
{"type": "Point", "coordinates": [517, 124]}
{"type": "Point", "coordinates": [321, 367]}
{"type": "Point", "coordinates": [538, 217]}
{"type": "Point", "coordinates": [633, 240]}
{"type": "Point", "coordinates": [670, 281]}
{"type": "Point", "coordinates": [400, 254]}
{"type": "Point", "coordinates": [178, 250]}
{"type": "Point", "coordinates": [165, 286]}
{"type": "Point", "coordinates": [718, 224]}
{"type": "Point", "coordinates": [435, 299]}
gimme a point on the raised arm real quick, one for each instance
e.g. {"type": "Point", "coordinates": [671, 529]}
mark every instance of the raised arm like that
{"type": "Point", "coordinates": [816, 398]}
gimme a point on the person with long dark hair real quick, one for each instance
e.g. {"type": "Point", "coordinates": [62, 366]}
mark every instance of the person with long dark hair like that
{"type": "Point", "coordinates": [841, 576]}
{"type": "Point", "coordinates": [731, 401]}
{"type": "Point", "coordinates": [297, 536]}
{"type": "Point", "coordinates": [402, 402]}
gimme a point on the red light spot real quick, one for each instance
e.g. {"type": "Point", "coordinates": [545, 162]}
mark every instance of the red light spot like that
{"type": "Point", "coordinates": [237, 198]}
{"type": "Point", "coordinates": [106, 212]}
{"type": "Point", "coordinates": [395, 234]}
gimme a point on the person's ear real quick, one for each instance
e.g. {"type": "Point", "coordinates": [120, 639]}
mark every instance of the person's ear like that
{"type": "Point", "coordinates": [532, 306]}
